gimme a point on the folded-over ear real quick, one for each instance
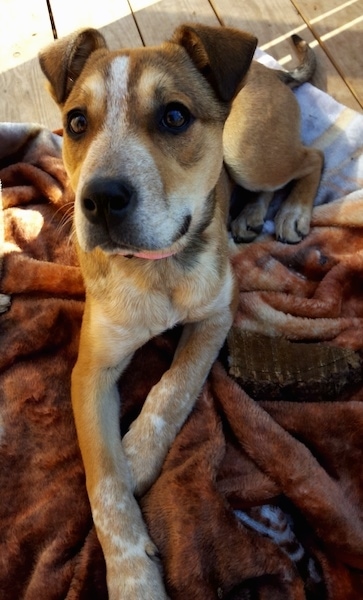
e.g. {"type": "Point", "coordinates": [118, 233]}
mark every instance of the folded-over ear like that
{"type": "Point", "coordinates": [63, 61]}
{"type": "Point", "coordinates": [222, 54]}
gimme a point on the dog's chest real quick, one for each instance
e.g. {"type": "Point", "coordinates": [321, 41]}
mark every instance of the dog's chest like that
{"type": "Point", "coordinates": [154, 311]}
{"type": "Point", "coordinates": [157, 304]}
{"type": "Point", "coordinates": [150, 297]}
{"type": "Point", "coordinates": [136, 303]}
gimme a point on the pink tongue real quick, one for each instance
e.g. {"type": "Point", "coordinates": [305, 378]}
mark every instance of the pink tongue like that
{"type": "Point", "coordinates": [153, 255]}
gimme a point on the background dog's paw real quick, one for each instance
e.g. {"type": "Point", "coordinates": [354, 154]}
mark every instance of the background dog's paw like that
{"type": "Point", "coordinates": [248, 224]}
{"type": "Point", "coordinates": [292, 224]}
{"type": "Point", "coordinates": [250, 221]}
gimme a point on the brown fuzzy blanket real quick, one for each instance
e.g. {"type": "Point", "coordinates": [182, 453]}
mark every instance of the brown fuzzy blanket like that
{"type": "Point", "coordinates": [261, 495]}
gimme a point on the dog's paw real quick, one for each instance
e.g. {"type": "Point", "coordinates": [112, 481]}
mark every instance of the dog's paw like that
{"type": "Point", "coordinates": [144, 580]}
{"type": "Point", "coordinates": [249, 224]}
{"type": "Point", "coordinates": [134, 569]}
{"type": "Point", "coordinates": [292, 224]}
{"type": "Point", "coordinates": [142, 452]}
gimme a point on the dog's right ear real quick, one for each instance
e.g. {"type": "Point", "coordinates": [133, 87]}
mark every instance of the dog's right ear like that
{"type": "Point", "coordinates": [222, 54]}
{"type": "Point", "coordinates": [63, 61]}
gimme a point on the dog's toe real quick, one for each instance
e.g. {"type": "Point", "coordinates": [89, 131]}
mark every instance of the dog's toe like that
{"type": "Point", "coordinates": [289, 240]}
{"type": "Point", "coordinates": [152, 551]}
{"type": "Point", "coordinates": [245, 229]}
{"type": "Point", "coordinates": [289, 235]}
{"type": "Point", "coordinates": [244, 239]}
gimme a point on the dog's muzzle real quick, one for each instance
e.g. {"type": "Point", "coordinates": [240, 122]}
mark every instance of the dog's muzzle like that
{"type": "Point", "coordinates": [115, 217]}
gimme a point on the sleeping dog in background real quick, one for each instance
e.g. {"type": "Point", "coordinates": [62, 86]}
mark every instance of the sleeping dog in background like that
{"type": "Point", "coordinates": [263, 151]}
{"type": "Point", "coordinates": [145, 134]}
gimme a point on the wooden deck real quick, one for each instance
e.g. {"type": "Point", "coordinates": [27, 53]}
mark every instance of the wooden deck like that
{"type": "Point", "coordinates": [333, 27]}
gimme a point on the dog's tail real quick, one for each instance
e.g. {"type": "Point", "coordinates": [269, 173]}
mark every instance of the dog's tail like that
{"type": "Point", "coordinates": [306, 67]}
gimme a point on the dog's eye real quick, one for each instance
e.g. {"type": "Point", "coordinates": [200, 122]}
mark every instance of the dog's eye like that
{"type": "Point", "coordinates": [77, 122]}
{"type": "Point", "coordinates": [176, 117]}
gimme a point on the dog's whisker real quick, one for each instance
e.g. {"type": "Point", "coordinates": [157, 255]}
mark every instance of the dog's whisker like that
{"type": "Point", "coordinates": [66, 220]}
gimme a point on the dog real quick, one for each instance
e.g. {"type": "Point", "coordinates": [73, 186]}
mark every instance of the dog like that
{"type": "Point", "coordinates": [144, 131]}
{"type": "Point", "coordinates": [263, 151]}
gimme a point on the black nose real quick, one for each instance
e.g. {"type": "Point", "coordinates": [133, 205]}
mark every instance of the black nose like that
{"type": "Point", "coordinates": [103, 199]}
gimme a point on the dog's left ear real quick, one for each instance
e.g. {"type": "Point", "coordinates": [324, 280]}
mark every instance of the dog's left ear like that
{"type": "Point", "coordinates": [63, 60]}
{"type": "Point", "coordinates": [222, 54]}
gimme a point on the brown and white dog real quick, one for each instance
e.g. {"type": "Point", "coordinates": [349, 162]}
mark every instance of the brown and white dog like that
{"type": "Point", "coordinates": [143, 147]}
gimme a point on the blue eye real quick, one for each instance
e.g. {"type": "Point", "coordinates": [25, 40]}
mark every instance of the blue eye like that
{"type": "Point", "coordinates": [76, 122]}
{"type": "Point", "coordinates": [176, 117]}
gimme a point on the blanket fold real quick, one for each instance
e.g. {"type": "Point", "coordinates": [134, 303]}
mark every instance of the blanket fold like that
{"type": "Point", "coordinates": [261, 494]}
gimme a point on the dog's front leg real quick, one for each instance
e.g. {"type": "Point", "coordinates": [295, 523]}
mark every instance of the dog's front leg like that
{"type": "Point", "coordinates": [172, 398]}
{"type": "Point", "coordinates": [131, 557]}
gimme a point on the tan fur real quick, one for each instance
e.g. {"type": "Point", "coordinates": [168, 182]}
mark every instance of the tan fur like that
{"type": "Point", "coordinates": [263, 152]}
{"type": "Point", "coordinates": [178, 205]}
{"type": "Point", "coordinates": [150, 220]}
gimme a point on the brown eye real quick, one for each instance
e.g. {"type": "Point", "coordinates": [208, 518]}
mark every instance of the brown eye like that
{"type": "Point", "coordinates": [176, 117]}
{"type": "Point", "coordinates": [76, 123]}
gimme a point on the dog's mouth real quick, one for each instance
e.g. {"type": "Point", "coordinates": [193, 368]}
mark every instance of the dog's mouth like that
{"type": "Point", "coordinates": [179, 243]}
{"type": "Point", "coordinates": [147, 254]}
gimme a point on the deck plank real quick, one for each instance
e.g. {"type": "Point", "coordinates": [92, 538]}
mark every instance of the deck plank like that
{"type": "Point", "coordinates": [339, 28]}
{"type": "Point", "coordinates": [273, 23]}
{"type": "Point", "coordinates": [112, 17]}
{"type": "Point", "coordinates": [156, 20]}
{"type": "Point", "coordinates": [25, 29]}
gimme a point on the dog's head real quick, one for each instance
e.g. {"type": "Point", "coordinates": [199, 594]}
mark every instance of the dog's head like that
{"type": "Point", "coordinates": [143, 133]}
